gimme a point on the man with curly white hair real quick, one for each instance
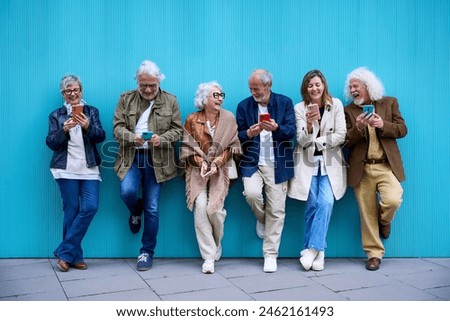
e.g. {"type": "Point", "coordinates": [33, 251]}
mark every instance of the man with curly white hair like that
{"type": "Point", "coordinates": [375, 165]}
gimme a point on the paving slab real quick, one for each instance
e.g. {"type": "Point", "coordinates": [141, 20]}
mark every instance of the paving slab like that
{"type": "Point", "coordinates": [102, 285]}
{"type": "Point", "coordinates": [220, 294]}
{"type": "Point", "coordinates": [271, 281]}
{"type": "Point", "coordinates": [389, 292]}
{"type": "Point", "coordinates": [188, 283]}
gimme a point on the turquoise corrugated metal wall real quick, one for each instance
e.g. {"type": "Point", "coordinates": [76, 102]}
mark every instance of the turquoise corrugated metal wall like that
{"type": "Point", "coordinates": [407, 43]}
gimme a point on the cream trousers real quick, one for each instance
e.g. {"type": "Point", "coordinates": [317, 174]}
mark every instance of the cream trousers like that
{"type": "Point", "coordinates": [269, 210]}
{"type": "Point", "coordinates": [379, 196]}
{"type": "Point", "coordinates": [208, 228]}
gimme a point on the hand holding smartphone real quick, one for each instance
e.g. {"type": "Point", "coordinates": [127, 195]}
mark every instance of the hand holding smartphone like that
{"type": "Point", "coordinates": [313, 110]}
{"type": "Point", "coordinates": [206, 174]}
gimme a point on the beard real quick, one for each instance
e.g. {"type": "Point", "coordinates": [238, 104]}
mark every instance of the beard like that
{"type": "Point", "coordinates": [358, 101]}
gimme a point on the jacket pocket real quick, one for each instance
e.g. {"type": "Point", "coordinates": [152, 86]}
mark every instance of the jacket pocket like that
{"type": "Point", "coordinates": [162, 122]}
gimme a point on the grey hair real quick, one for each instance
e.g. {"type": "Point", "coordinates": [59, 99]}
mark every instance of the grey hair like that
{"type": "Point", "coordinates": [68, 80]}
{"type": "Point", "coordinates": [374, 85]}
{"type": "Point", "coordinates": [264, 75]}
{"type": "Point", "coordinates": [149, 68]}
{"type": "Point", "coordinates": [202, 93]}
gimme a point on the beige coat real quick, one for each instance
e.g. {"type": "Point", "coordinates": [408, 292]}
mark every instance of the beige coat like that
{"type": "Point", "coordinates": [329, 138]}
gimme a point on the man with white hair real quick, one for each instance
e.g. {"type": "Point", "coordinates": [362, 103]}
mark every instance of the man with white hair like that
{"type": "Point", "coordinates": [375, 165]}
{"type": "Point", "coordinates": [147, 124]}
{"type": "Point", "coordinates": [266, 127]}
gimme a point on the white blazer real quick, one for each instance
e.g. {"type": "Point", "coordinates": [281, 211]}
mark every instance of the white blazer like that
{"type": "Point", "coordinates": [328, 138]}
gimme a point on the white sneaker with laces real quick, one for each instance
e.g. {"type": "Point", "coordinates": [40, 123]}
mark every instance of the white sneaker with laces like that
{"type": "Point", "coordinates": [270, 264]}
{"type": "Point", "coordinates": [319, 262]}
{"type": "Point", "coordinates": [307, 258]}
{"type": "Point", "coordinates": [260, 227]}
{"type": "Point", "coordinates": [208, 267]}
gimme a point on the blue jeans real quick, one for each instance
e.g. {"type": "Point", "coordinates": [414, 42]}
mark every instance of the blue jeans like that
{"type": "Point", "coordinates": [319, 207]}
{"type": "Point", "coordinates": [141, 171]}
{"type": "Point", "coordinates": [80, 204]}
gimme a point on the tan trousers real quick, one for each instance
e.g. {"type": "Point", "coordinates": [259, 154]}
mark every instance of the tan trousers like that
{"type": "Point", "coordinates": [272, 211]}
{"type": "Point", "coordinates": [208, 228]}
{"type": "Point", "coordinates": [377, 183]}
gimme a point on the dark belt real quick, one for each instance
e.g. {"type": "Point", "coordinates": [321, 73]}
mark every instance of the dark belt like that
{"type": "Point", "coordinates": [143, 150]}
{"type": "Point", "coordinates": [375, 161]}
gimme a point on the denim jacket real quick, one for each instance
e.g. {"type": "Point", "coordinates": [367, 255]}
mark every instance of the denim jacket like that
{"type": "Point", "coordinates": [57, 140]}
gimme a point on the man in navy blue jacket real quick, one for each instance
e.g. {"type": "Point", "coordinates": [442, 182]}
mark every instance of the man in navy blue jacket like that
{"type": "Point", "coordinates": [266, 125]}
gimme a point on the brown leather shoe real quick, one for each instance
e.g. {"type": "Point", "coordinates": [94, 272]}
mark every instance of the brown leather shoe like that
{"type": "Point", "coordinates": [373, 263]}
{"type": "Point", "coordinates": [385, 230]}
{"type": "Point", "coordinates": [63, 265]}
{"type": "Point", "coordinates": [79, 266]}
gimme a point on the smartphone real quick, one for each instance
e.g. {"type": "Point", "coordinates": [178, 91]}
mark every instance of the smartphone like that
{"type": "Point", "coordinates": [76, 110]}
{"type": "Point", "coordinates": [207, 173]}
{"type": "Point", "coordinates": [147, 135]}
{"type": "Point", "coordinates": [315, 108]}
{"type": "Point", "coordinates": [368, 109]}
{"type": "Point", "coordinates": [264, 117]}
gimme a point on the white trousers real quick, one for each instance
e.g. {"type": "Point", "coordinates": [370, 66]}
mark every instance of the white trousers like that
{"type": "Point", "coordinates": [208, 228]}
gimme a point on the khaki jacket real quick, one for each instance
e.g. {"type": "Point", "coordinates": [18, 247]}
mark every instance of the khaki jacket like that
{"type": "Point", "coordinates": [164, 120]}
{"type": "Point", "coordinates": [358, 142]}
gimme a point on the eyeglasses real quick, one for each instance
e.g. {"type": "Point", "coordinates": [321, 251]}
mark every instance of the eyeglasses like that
{"type": "Point", "coordinates": [217, 95]}
{"type": "Point", "coordinates": [151, 86]}
{"type": "Point", "coordinates": [76, 91]}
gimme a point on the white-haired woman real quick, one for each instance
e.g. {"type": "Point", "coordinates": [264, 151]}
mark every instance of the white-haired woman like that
{"type": "Point", "coordinates": [209, 141]}
{"type": "Point", "coordinates": [74, 130]}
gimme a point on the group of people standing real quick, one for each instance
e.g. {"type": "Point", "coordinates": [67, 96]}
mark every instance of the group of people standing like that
{"type": "Point", "coordinates": [260, 139]}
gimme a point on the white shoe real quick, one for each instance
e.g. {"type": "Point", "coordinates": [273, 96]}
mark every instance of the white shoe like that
{"type": "Point", "coordinates": [319, 262]}
{"type": "Point", "coordinates": [308, 258]}
{"type": "Point", "coordinates": [208, 267]}
{"type": "Point", "coordinates": [270, 264]}
{"type": "Point", "coordinates": [260, 227]}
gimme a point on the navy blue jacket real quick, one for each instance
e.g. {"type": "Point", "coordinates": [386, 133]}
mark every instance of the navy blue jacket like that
{"type": "Point", "coordinates": [281, 110]}
{"type": "Point", "coordinates": [58, 141]}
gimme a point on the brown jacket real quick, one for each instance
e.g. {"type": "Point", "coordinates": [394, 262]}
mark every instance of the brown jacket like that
{"type": "Point", "coordinates": [358, 142]}
{"type": "Point", "coordinates": [199, 146]}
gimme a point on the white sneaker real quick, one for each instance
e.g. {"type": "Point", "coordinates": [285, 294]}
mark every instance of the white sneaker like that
{"type": "Point", "coordinates": [319, 262]}
{"type": "Point", "coordinates": [270, 264]}
{"type": "Point", "coordinates": [308, 257]}
{"type": "Point", "coordinates": [208, 267]}
{"type": "Point", "coordinates": [260, 227]}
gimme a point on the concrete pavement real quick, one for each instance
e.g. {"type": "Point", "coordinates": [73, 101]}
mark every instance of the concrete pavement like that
{"type": "Point", "coordinates": [404, 279]}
